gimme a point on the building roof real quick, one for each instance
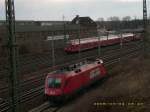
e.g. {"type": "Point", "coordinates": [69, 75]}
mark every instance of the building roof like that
{"type": "Point", "coordinates": [84, 21]}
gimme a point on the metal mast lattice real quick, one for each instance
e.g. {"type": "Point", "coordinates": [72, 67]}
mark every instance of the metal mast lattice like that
{"type": "Point", "coordinates": [10, 23]}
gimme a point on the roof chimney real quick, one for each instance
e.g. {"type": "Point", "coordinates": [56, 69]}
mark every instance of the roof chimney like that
{"type": "Point", "coordinates": [77, 21]}
{"type": "Point", "coordinates": [77, 16]}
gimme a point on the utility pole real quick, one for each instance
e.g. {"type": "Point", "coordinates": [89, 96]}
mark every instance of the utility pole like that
{"type": "Point", "coordinates": [10, 22]}
{"type": "Point", "coordinates": [144, 13]}
{"type": "Point", "coordinates": [145, 26]}
{"type": "Point", "coordinates": [79, 29]}
{"type": "Point", "coordinates": [53, 51]}
{"type": "Point", "coordinates": [121, 44]}
{"type": "Point", "coordinates": [65, 38]}
{"type": "Point", "coordinates": [121, 41]}
{"type": "Point", "coordinates": [99, 45]}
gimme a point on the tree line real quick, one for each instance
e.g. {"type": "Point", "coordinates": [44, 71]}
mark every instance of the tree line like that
{"type": "Point", "coordinates": [116, 23]}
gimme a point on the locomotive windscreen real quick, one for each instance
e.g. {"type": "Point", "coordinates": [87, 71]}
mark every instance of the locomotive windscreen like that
{"type": "Point", "coordinates": [54, 82]}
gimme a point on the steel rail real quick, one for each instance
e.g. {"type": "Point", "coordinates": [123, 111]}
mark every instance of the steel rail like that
{"type": "Point", "coordinates": [39, 91]}
{"type": "Point", "coordinates": [26, 66]}
{"type": "Point", "coordinates": [46, 107]}
{"type": "Point", "coordinates": [40, 78]}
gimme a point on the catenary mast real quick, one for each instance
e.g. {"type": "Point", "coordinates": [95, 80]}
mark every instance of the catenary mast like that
{"type": "Point", "coordinates": [13, 82]}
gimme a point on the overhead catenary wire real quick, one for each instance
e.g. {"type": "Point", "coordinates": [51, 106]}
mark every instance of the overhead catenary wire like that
{"type": "Point", "coordinates": [64, 25]}
{"type": "Point", "coordinates": [53, 50]}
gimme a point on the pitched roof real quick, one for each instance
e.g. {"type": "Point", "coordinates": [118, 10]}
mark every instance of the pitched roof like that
{"type": "Point", "coordinates": [84, 21]}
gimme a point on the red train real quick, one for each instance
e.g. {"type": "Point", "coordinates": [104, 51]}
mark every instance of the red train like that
{"type": "Point", "coordinates": [68, 80]}
{"type": "Point", "coordinates": [94, 42]}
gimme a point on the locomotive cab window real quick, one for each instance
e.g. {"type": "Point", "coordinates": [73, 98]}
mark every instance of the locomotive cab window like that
{"type": "Point", "coordinates": [54, 82]}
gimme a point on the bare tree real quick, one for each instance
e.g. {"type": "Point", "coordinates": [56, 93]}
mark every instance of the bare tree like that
{"type": "Point", "coordinates": [113, 18]}
{"type": "Point", "coordinates": [101, 19]}
{"type": "Point", "coordinates": [126, 18]}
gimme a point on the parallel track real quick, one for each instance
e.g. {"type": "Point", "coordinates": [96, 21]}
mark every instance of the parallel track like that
{"type": "Point", "coordinates": [30, 63]}
{"type": "Point", "coordinates": [24, 85]}
{"type": "Point", "coordinates": [46, 107]}
{"type": "Point", "coordinates": [32, 93]}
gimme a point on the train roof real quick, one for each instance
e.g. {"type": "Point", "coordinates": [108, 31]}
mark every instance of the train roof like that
{"type": "Point", "coordinates": [96, 39]}
{"type": "Point", "coordinates": [72, 70]}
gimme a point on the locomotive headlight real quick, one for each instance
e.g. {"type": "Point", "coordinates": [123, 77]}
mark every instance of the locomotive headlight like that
{"type": "Point", "coordinates": [101, 61]}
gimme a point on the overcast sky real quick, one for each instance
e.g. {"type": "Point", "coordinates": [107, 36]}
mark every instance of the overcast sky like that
{"type": "Point", "coordinates": [55, 9]}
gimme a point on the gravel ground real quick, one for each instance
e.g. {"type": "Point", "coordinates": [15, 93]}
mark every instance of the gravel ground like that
{"type": "Point", "coordinates": [126, 90]}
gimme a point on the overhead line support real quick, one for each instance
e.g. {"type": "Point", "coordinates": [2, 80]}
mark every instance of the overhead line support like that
{"type": "Point", "coordinates": [12, 51]}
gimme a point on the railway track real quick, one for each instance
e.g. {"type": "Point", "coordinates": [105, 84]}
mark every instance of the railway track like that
{"type": "Point", "coordinates": [32, 93]}
{"type": "Point", "coordinates": [24, 85]}
{"type": "Point", "coordinates": [33, 63]}
{"type": "Point", "coordinates": [28, 96]}
{"type": "Point", "coordinates": [46, 107]}
{"type": "Point", "coordinates": [40, 77]}
{"type": "Point", "coordinates": [44, 61]}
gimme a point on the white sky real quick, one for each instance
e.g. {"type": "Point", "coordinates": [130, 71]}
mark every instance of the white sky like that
{"type": "Point", "coordinates": [55, 9]}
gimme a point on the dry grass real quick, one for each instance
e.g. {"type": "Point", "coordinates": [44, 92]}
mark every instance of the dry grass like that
{"type": "Point", "coordinates": [131, 84]}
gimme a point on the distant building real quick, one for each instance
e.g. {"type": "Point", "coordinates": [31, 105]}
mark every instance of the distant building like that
{"type": "Point", "coordinates": [32, 35]}
{"type": "Point", "coordinates": [84, 21]}
{"type": "Point", "coordinates": [85, 24]}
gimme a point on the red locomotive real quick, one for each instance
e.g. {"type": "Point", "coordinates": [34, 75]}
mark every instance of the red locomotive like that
{"type": "Point", "coordinates": [68, 80]}
{"type": "Point", "coordinates": [94, 42]}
